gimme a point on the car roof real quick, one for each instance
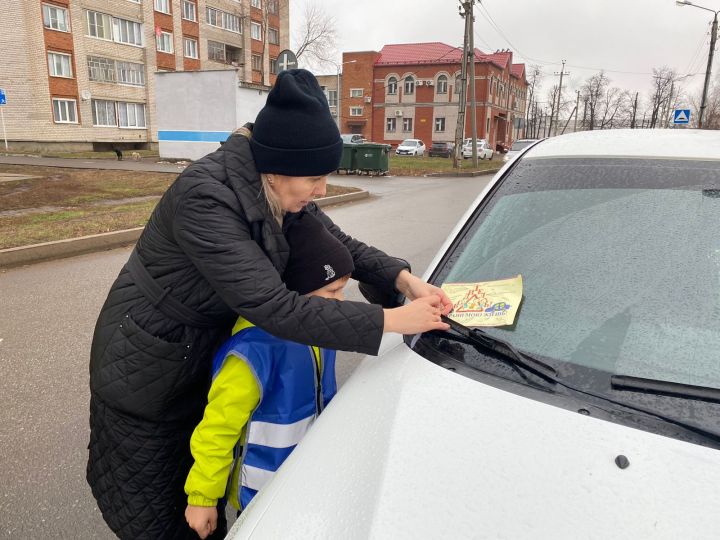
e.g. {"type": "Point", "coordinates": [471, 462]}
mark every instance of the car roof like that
{"type": "Point", "coordinates": [654, 143]}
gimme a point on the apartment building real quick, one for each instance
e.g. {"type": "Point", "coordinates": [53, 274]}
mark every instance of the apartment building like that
{"type": "Point", "coordinates": [79, 74]}
{"type": "Point", "coordinates": [412, 91]}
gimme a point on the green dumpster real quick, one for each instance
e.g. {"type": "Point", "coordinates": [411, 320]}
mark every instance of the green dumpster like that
{"type": "Point", "coordinates": [372, 158]}
{"type": "Point", "coordinates": [348, 159]}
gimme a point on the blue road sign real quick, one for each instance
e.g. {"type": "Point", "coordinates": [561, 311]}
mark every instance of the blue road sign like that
{"type": "Point", "coordinates": [681, 116]}
{"type": "Point", "coordinates": [3, 99]}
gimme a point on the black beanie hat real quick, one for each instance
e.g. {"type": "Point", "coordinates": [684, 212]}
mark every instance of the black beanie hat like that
{"type": "Point", "coordinates": [316, 256]}
{"type": "Point", "coordinates": [295, 133]}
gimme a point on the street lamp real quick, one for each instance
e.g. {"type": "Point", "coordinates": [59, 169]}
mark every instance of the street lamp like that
{"type": "Point", "coordinates": [337, 99]}
{"type": "Point", "coordinates": [713, 36]}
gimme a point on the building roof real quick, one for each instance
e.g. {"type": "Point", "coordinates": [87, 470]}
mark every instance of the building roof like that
{"type": "Point", "coordinates": [435, 52]}
{"type": "Point", "coordinates": [518, 70]}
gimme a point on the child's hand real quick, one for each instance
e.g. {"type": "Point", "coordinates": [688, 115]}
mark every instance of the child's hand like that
{"type": "Point", "coordinates": [203, 519]}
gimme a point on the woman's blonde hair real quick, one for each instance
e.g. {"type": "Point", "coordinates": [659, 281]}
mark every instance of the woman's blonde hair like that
{"type": "Point", "coordinates": [271, 198]}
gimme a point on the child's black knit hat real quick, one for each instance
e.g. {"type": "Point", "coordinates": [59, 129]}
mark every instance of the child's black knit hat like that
{"type": "Point", "coordinates": [316, 256]}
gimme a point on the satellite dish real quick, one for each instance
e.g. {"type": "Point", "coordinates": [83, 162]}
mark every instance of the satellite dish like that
{"type": "Point", "coordinates": [85, 95]}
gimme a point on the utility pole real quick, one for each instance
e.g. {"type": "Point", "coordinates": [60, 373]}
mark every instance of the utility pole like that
{"type": "Point", "coordinates": [713, 37]}
{"type": "Point", "coordinates": [577, 110]}
{"type": "Point", "coordinates": [470, 22]}
{"type": "Point", "coordinates": [557, 111]}
{"type": "Point", "coordinates": [632, 122]}
{"type": "Point", "coordinates": [462, 98]}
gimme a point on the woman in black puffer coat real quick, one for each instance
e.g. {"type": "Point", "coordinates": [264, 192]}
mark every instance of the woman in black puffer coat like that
{"type": "Point", "coordinates": [212, 250]}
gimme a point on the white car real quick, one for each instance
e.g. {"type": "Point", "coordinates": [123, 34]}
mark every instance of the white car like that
{"type": "Point", "coordinates": [483, 149]}
{"type": "Point", "coordinates": [595, 415]}
{"type": "Point", "coordinates": [517, 146]}
{"type": "Point", "coordinates": [410, 147]}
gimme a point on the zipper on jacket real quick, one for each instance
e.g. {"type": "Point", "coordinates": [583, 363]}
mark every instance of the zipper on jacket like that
{"type": "Point", "coordinates": [317, 367]}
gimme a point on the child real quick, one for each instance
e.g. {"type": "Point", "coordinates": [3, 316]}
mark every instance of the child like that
{"type": "Point", "coordinates": [266, 391]}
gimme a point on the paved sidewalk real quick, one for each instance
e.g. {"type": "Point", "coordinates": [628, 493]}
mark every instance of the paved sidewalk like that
{"type": "Point", "coordinates": [78, 163]}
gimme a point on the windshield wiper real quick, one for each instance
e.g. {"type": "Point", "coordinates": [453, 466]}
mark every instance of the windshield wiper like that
{"type": "Point", "coordinates": [505, 349]}
{"type": "Point", "coordinates": [655, 386]}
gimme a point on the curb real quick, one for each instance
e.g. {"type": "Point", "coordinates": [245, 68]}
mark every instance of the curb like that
{"type": "Point", "coordinates": [71, 247]}
{"type": "Point", "coordinates": [462, 174]}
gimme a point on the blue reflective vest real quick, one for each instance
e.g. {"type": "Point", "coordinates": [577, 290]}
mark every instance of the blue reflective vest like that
{"type": "Point", "coordinates": [293, 391]}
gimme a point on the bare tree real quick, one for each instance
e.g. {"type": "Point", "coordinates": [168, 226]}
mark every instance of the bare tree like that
{"type": "Point", "coordinates": [711, 118]}
{"type": "Point", "coordinates": [593, 92]}
{"type": "Point", "coordinates": [531, 106]}
{"type": "Point", "coordinates": [315, 36]}
{"type": "Point", "coordinates": [662, 96]}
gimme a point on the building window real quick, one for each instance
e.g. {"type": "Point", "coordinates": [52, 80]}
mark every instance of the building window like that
{"type": "Point", "coordinates": [256, 62]}
{"type": "Point", "coordinates": [131, 73]}
{"type": "Point", "coordinates": [272, 6]}
{"type": "Point", "coordinates": [407, 124]}
{"type": "Point", "coordinates": [220, 52]}
{"type": "Point", "coordinates": [104, 113]}
{"type": "Point", "coordinates": [355, 111]}
{"type": "Point", "coordinates": [256, 31]}
{"type": "Point", "coordinates": [216, 51]}
{"type": "Point", "coordinates": [332, 98]}
{"type": "Point", "coordinates": [442, 84]}
{"type": "Point", "coordinates": [409, 85]}
{"type": "Point", "coordinates": [128, 32]}
{"type": "Point", "coordinates": [101, 69]}
{"type": "Point", "coordinates": [189, 10]}
{"type": "Point", "coordinates": [164, 42]}
{"type": "Point", "coordinates": [391, 125]}
{"type": "Point", "coordinates": [440, 124]}
{"type": "Point", "coordinates": [190, 48]}
{"type": "Point", "coordinates": [392, 86]}
{"type": "Point", "coordinates": [274, 36]}
{"type": "Point", "coordinates": [356, 92]}
{"type": "Point", "coordinates": [60, 65]}
{"type": "Point", "coordinates": [64, 111]}
{"type": "Point", "coordinates": [256, 3]}
{"type": "Point", "coordinates": [56, 18]}
{"type": "Point", "coordinates": [224, 20]}
{"type": "Point", "coordinates": [273, 66]}
{"type": "Point", "coordinates": [99, 25]}
{"type": "Point", "coordinates": [163, 6]}
{"type": "Point", "coordinates": [131, 115]}
{"type": "Point", "coordinates": [458, 84]}
{"type": "Point", "coordinates": [487, 126]}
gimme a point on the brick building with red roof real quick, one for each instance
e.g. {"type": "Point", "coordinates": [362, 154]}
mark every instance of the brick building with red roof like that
{"type": "Point", "coordinates": [411, 91]}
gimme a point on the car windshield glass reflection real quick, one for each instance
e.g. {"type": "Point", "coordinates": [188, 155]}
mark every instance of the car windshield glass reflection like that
{"type": "Point", "coordinates": [409, 143]}
{"type": "Point", "coordinates": [620, 264]}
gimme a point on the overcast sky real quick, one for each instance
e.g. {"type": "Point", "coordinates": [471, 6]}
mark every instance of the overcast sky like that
{"type": "Point", "coordinates": [627, 38]}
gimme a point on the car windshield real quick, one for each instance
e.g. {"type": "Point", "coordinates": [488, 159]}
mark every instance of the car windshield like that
{"type": "Point", "coordinates": [519, 145]}
{"type": "Point", "coordinates": [620, 260]}
{"type": "Point", "coordinates": [408, 142]}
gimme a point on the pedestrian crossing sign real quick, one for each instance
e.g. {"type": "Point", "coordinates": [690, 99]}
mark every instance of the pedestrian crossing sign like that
{"type": "Point", "coordinates": [681, 116]}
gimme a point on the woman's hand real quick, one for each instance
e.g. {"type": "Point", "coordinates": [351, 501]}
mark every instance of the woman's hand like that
{"type": "Point", "coordinates": [421, 315]}
{"type": "Point", "coordinates": [202, 519]}
{"type": "Point", "coordinates": [413, 288]}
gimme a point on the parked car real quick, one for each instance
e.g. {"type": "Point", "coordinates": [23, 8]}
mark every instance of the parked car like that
{"type": "Point", "coordinates": [410, 147]}
{"type": "Point", "coordinates": [483, 149]}
{"type": "Point", "coordinates": [518, 145]}
{"type": "Point", "coordinates": [441, 149]}
{"type": "Point", "coordinates": [595, 415]}
{"type": "Point", "coordinates": [353, 138]}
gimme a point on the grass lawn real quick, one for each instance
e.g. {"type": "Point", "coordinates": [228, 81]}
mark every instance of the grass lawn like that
{"type": "Point", "coordinates": [63, 203]}
{"type": "Point", "coordinates": [92, 155]}
{"type": "Point", "coordinates": [416, 166]}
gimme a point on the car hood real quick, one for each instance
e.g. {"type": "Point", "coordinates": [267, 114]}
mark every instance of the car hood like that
{"type": "Point", "coordinates": [410, 450]}
{"type": "Point", "coordinates": [401, 147]}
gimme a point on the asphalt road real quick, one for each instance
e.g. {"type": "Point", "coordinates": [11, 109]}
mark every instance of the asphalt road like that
{"type": "Point", "coordinates": [47, 316]}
